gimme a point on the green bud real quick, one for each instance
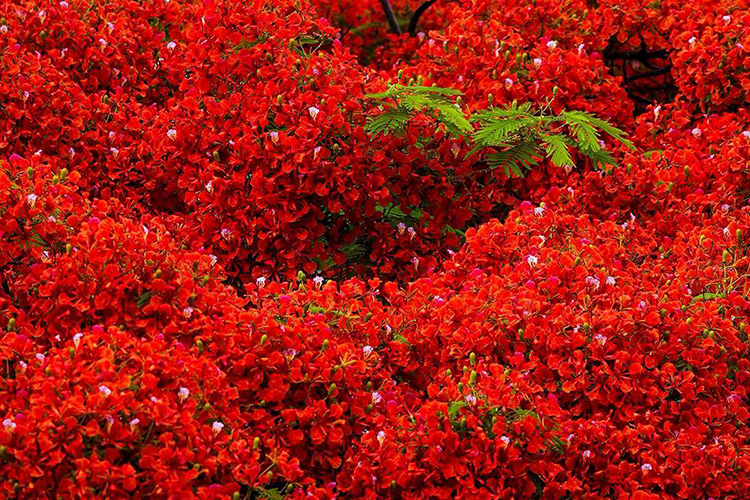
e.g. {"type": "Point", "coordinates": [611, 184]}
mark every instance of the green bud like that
{"type": "Point", "coordinates": [494, 74]}
{"type": "Point", "coordinates": [48, 371]}
{"type": "Point", "coordinates": [369, 408]}
{"type": "Point", "coordinates": [199, 345]}
{"type": "Point", "coordinates": [663, 312]}
{"type": "Point", "coordinates": [206, 406]}
{"type": "Point", "coordinates": [576, 262]}
{"type": "Point", "coordinates": [11, 324]}
{"type": "Point", "coordinates": [324, 347]}
{"type": "Point", "coordinates": [473, 377]}
{"type": "Point", "coordinates": [236, 495]}
{"type": "Point", "coordinates": [689, 321]}
{"type": "Point", "coordinates": [742, 327]}
{"type": "Point", "coordinates": [507, 54]}
{"type": "Point", "coordinates": [738, 235]}
{"type": "Point", "coordinates": [494, 419]}
{"type": "Point", "coordinates": [460, 387]}
{"type": "Point", "coordinates": [30, 172]}
{"type": "Point", "coordinates": [197, 466]}
{"type": "Point", "coordinates": [216, 156]}
{"type": "Point", "coordinates": [420, 79]}
{"type": "Point", "coordinates": [555, 90]}
{"type": "Point", "coordinates": [400, 74]}
{"type": "Point", "coordinates": [301, 277]}
{"type": "Point", "coordinates": [63, 173]}
{"type": "Point", "coordinates": [263, 339]}
{"type": "Point", "coordinates": [448, 373]}
{"type": "Point", "coordinates": [71, 352]}
{"type": "Point", "coordinates": [68, 248]}
{"type": "Point", "coordinates": [725, 256]}
{"type": "Point", "coordinates": [489, 98]}
{"type": "Point", "coordinates": [472, 359]}
{"type": "Point", "coordinates": [256, 443]}
{"type": "Point", "coordinates": [205, 280]}
{"type": "Point", "coordinates": [332, 388]}
{"type": "Point", "coordinates": [368, 386]}
{"type": "Point", "coordinates": [393, 485]}
{"type": "Point", "coordinates": [687, 171]}
{"type": "Point", "coordinates": [463, 422]}
{"type": "Point", "coordinates": [55, 179]}
{"type": "Point", "coordinates": [279, 100]}
{"type": "Point", "coordinates": [2, 451]}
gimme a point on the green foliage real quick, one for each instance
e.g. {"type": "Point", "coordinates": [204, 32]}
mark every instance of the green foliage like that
{"type": "Point", "coordinates": [408, 101]}
{"type": "Point", "coordinates": [515, 137]}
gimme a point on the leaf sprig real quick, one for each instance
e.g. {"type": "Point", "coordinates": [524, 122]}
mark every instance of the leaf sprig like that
{"type": "Point", "coordinates": [515, 137]}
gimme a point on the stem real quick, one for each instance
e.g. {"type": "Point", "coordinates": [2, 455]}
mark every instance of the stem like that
{"type": "Point", "coordinates": [390, 16]}
{"type": "Point", "coordinates": [417, 14]}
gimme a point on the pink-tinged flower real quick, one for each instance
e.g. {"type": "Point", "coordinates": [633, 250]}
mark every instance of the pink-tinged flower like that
{"type": "Point", "coordinates": [260, 282]}
{"type": "Point", "coordinates": [601, 339]}
{"type": "Point", "coordinates": [532, 260]}
{"type": "Point", "coordinates": [115, 152]}
{"type": "Point", "coordinates": [9, 425]}
{"type": "Point", "coordinates": [727, 19]}
{"type": "Point", "coordinates": [537, 63]}
{"type": "Point", "coordinates": [274, 136]}
{"type": "Point", "coordinates": [381, 437]}
{"type": "Point", "coordinates": [14, 159]}
{"type": "Point", "coordinates": [313, 111]}
{"type": "Point", "coordinates": [508, 83]}
{"type": "Point", "coordinates": [471, 399]}
{"type": "Point", "coordinates": [103, 42]}
{"type": "Point", "coordinates": [40, 357]}
{"type": "Point", "coordinates": [552, 44]}
{"type": "Point", "coordinates": [187, 312]}
{"type": "Point", "coordinates": [746, 134]}
{"type": "Point", "coordinates": [411, 232]}
{"type": "Point", "coordinates": [592, 281]}
{"type": "Point", "coordinates": [171, 46]}
{"type": "Point", "coordinates": [611, 281]}
{"type": "Point", "coordinates": [587, 454]}
{"type": "Point", "coordinates": [105, 390]}
{"type": "Point", "coordinates": [692, 41]}
{"type": "Point", "coordinates": [530, 284]}
{"type": "Point", "coordinates": [646, 467]}
{"type": "Point", "coordinates": [696, 132]}
{"type": "Point", "coordinates": [318, 280]}
{"type": "Point", "coordinates": [183, 393]}
{"type": "Point", "coordinates": [505, 440]}
{"type": "Point", "coordinates": [376, 398]}
{"type": "Point", "coordinates": [401, 227]}
{"type": "Point", "coordinates": [31, 199]}
{"type": "Point", "coordinates": [217, 427]}
{"type": "Point", "coordinates": [134, 422]}
{"type": "Point", "coordinates": [172, 134]}
{"type": "Point", "coordinates": [367, 350]}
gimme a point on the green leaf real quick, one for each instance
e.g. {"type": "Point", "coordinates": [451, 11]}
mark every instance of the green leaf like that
{"type": "Point", "coordinates": [556, 146]}
{"type": "Point", "coordinates": [393, 120]}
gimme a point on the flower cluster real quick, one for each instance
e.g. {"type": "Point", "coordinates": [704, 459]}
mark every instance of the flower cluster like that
{"type": "Point", "coordinates": [187, 189]}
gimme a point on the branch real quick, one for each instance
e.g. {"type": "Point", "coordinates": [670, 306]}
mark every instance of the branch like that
{"type": "Point", "coordinates": [649, 74]}
{"type": "Point", "coordinates": [390, 16]}
{"type": "Point", "coordinates": [417, 14]}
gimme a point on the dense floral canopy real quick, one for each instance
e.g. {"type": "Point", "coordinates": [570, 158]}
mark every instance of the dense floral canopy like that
{"type": "Point", "coordinates": [216, 283]}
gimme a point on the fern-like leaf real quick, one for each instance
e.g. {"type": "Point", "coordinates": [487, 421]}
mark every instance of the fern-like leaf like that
{"type": "Point", "coordinates": [556, 146]}
{"type": "Point", "coordinates": [393, 120]}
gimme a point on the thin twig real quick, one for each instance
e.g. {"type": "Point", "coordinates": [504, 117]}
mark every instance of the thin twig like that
{"type": "Point", "coordinates": [390, 16]}
{"type": "Point", "coordinates": [417, 14]}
